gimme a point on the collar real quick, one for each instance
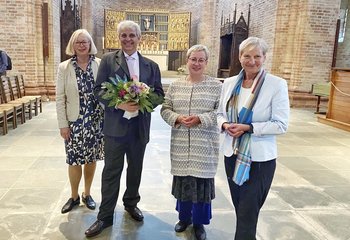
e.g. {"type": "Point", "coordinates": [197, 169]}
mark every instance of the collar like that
{"type": "Point", "coordinates": [135, 55]}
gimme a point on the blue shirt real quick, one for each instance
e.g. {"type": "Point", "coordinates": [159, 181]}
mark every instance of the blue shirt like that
{"type": "Point", "coordinates": [3, 62]}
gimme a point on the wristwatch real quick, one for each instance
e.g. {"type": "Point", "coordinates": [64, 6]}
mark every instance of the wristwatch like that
{"type": "Point", "coordinates": [251, 128]}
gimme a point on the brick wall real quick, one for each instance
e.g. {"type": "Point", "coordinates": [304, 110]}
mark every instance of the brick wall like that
{"type": "Point", "coordinates": [18, 38]}
{"type": "Point", "coordinates": [304, 45]}
{"type": "Point", "coordinates": [313, 42]}
{"type": "Point", "coordinates": [21, 37]}
{"type": "Point", "coordinates": [300, 35]}
{"type": "Point", "coordinates": [262, 21]}
{"type": "Point", "coordinates": [208, 21]}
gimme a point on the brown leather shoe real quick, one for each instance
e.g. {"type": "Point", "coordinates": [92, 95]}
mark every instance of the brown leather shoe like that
{"type": "Point", "coordinates": [135, 213]}
{"type": "Point", "coordinates": [97, 228]}
{"type": "Point", "coordinates": [68, 206]}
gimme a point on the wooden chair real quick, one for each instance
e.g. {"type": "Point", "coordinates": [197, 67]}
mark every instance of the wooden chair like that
{"type": "Point", "coordinates": [320, 90]}
{"type": "Point", "coordinates": [3, 121]}
{"type": "Point", "coordinates": [37, 100]}
{"type": "Point", "coordinates": [18, 107]}
{"type": "Point", "coordinates": [16, 96]}
{"type": "Point", "coordinates": [6, 113]}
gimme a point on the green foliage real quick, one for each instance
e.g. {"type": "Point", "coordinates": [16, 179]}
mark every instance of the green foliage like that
{"type": "Point", "coordinates": [119, 91]}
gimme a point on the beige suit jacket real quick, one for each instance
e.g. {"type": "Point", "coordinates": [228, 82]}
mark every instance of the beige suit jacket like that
{"type": "Point", "coordinates": [67, 93]}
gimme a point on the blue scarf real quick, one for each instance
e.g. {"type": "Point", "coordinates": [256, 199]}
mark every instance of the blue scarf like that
{"type": "Point", "coordinates": [241, 145]}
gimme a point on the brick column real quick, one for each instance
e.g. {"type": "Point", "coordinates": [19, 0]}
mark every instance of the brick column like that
{"type": "Point", "coordinates": [206, 27]}
{"type": "Point", "coordinates": [305, 33]}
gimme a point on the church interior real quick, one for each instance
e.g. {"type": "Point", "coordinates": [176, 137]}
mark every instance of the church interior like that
{"type": "Point", "coordinates": [309, 46]}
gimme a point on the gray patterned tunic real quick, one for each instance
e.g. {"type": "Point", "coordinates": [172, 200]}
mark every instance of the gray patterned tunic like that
{"type": "Point", "coordinates": [194, 151]}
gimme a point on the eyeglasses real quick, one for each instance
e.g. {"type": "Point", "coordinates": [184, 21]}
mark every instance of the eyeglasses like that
{"type": "Point", "coordinates": [195, 60]}
{"type": "Point", "coordinates": [82, 43]}
{"type": "Point", "coordinates": [124, 35]}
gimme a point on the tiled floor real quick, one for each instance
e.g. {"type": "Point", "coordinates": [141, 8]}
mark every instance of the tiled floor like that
{"type": "Point", "coordinates": [309, 199]}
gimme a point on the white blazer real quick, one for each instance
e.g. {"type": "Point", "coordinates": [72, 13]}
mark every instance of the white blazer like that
{"type": "Point", "coordinates": [67, 93]}
{"type": "Point", "coordinates": [270, 117]}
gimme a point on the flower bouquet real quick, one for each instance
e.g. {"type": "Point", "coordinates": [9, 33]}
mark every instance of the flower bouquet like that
{"type": "Point", "coordinates": [120, 90]}
{"type": "Point", "coordinates": [181, 70]}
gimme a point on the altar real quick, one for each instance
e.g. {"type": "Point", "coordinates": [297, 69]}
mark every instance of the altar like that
{"type": "Point", "coordinates": [160, 57]}
{"type": "Point", "coordinates": [165, 35]}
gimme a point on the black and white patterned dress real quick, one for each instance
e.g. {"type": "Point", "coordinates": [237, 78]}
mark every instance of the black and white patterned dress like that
{"type": "Point", "coordinates": [86, 138]}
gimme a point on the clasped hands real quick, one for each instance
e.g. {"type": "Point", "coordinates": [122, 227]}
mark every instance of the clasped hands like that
{"type": "Point", "coordinates": [188, 121]}
{"type": "Point", "coordinates": [235, 129]}
{"type": "Point", "coordinates": [129, 106]}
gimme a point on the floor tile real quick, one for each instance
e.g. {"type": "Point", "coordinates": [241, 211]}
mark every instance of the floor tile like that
{"type": "Point", "coordinates": [309, 198]}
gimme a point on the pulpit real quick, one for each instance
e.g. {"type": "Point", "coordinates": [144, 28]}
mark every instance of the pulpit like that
{"type": "Point", "coordinates": [338, 113]}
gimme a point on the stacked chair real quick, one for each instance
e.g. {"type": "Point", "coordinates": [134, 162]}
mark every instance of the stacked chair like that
{"type": "Point", "coordinates": [6, 113]}
{"type": "Point", "coordinates": [14, 104]}
{"type": "Point", "coordinates": [37, 99]}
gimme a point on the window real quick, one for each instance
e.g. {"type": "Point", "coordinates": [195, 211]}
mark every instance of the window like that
{"type": "Point", "coordinates": [343, 15]}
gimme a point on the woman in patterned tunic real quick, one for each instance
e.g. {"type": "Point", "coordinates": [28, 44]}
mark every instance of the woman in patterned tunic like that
{"type": "Point", "coordinates": [79, 115]}
{"type": "Point", "coordinates": [190, 109]}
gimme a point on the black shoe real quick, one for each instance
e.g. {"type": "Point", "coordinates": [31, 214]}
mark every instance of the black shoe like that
{"type": "Point", "coordinates": [135, 213]}
{"type": "Point", "coordinates": [88, 201]}
{"type": "Point", "coordinates": [181, 226]}
{"type": "Point", "coordinates": [70, 204]}
{"type": "Point", "coordinates": [199, 232]}
{"type": "Point", "coordinates": [97, 228]}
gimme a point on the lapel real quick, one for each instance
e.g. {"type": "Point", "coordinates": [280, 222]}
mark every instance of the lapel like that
{"type": "Point", "coordinates": [144, 68]}
{"type": "Point", "coordinates": [121, 64]}
{"type": "Point", "coordinates": [94, 67]}
{"type": "Point", "coordinates": [70, 74]}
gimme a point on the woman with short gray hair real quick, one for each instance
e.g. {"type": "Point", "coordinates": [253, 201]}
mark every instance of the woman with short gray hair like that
{"type": "Point", "coordinates": [253, 110]}
{"type": "Point", "coordinates": [189, 108]}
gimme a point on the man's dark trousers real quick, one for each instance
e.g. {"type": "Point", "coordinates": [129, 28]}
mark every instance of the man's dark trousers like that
{"type": "Point", "coordinates": [115, 150]}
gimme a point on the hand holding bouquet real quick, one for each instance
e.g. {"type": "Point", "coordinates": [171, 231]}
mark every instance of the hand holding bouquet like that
{"type": "Point", "coordinates": [120, 90]}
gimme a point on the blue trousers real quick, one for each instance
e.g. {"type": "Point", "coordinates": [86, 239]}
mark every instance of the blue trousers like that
{"type": "Point", "coordinates": [199, 212]}
{"type": "Point", "coordinates": [250, 197]}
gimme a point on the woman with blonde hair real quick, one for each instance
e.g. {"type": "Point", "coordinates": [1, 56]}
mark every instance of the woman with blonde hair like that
{"type": "Point", "coordinates": [79, 116]}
